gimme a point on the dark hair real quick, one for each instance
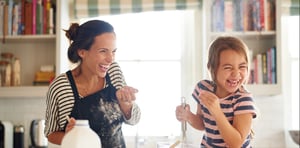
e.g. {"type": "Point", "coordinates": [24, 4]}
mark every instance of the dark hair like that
{"type": "Point", "coordinates": [82, 36]}
{"type": "Point", "coordinates": [224, 43]}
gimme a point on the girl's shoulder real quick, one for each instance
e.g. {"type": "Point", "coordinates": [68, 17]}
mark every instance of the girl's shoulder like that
{"type": "Point", "coordinates": [206, 85]}
{"type": "Point", "coordinates": [243, 91]}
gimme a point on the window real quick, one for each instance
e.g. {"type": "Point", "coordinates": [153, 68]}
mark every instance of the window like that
{"type": "Point", "coordinates": [293, 46]}
{"type": "Point", "coordinates": [150, 47]}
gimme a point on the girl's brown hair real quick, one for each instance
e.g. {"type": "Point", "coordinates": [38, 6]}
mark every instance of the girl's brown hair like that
{"type": "Point", "coordinates": [224, 43]}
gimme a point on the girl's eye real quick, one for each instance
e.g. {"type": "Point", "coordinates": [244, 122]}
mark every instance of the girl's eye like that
{"type": "Point", "coordinates": [227, 67]}
{"type": "Point", "coordinates": [243, 67]}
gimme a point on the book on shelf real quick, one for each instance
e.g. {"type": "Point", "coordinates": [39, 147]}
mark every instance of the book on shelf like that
{"type": "Point", "coordinates": [28, 18]}
{"type": "Point", "coordinates": [217, 15]}
{"type": "Point", "coordinates": [228, 14]}
{"type": "Point", "coordinates": [237, 21]}
{"type": "Point", "coordinates": [33, 15]}
{"type": "Point", "coordinates": [270, 16]}
{"type": "Point", "coordinates": [2, 5]}
{"type": "Point", "coordinates": [264, 68]}
{"type": "Point", "coordinates": [273, 65]}
{"type": "Point", "coordinates": [259, 69]}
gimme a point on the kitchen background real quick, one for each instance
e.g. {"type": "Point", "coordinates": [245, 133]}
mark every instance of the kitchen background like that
{"type": "Point", "coordinates": [271, 127]}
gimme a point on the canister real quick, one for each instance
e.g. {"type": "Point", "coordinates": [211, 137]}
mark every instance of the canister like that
{"type": "Point", "coordinates": [19, 136]}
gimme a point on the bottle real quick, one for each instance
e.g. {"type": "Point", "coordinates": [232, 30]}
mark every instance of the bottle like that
{"type": "Point", "coordinates": [19, 136]}
{"type": "Point", "coordinates": [81, 136]}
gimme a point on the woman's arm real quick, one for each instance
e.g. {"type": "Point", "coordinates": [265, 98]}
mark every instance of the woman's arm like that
{"type": "Point", "coordinates": [125, 94]}
{"type": "Point", "coordinates": [116, 76]}
{"type": "Point", "coordinates": [56, 137]}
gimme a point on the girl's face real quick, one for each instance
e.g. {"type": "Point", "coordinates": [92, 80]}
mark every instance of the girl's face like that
{"type": "Point", "coordinates": [231, 73]}
{"type": "Point", "coordinates": [102, 53]}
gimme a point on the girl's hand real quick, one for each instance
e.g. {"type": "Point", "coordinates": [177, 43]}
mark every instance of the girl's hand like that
{"type": "Point", "coordinates": [182, 114]}
{"type": "Point", "coordinates": [210, 100]}
{"type": "Point", "coordinates": [126, 94]}
{"type": "Point", "coordinates": [70, 125]}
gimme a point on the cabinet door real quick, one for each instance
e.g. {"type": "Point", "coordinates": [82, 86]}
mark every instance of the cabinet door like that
{"type": "Point", "coordinates": [256, 22]}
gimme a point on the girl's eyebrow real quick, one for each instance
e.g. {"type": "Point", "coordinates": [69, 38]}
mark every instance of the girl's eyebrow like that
{"type": "Point", "coordinates": [244, 63]}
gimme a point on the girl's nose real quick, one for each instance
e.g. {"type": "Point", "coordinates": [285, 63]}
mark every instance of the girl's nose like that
{"type": "Point", "coordinates": [235, 72]}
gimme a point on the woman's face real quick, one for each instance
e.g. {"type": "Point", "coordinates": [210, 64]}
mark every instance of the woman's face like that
{"type": "Point", "coordinates": [101, 54]}
{"type": "Point", "coordinates": [231, 73]}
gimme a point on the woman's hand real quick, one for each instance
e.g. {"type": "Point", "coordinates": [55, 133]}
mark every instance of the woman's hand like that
{"type": "Point", "coordinates": [70, 125]}
{"type": "Point", "coordinates": [182, 113]}
{"type": "Point", "coordinates": [126, 97]}
{"type": "Point", "coordinates": [126, 94]}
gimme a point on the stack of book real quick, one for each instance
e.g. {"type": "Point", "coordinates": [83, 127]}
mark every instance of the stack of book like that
{"type": "Point", "coordinates": [263, 68]}
{"type": "Point", "coordinates": [44, 76]}
{"type": "Point", "coordinates": [243, 15]}
{"type": "Point", "coordinates": [27, 17]}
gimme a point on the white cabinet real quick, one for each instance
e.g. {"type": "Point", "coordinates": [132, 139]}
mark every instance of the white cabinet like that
{"type": "Point", "coordinates": [34, 51]}
{"type": "Point", "coordinates": [258, 41]}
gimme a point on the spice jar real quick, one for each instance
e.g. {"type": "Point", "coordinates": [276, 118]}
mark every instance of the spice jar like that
{"type": "Point", "coordinates": [3, 65]}
{"type": "Point", "coordinates": [7, 68]}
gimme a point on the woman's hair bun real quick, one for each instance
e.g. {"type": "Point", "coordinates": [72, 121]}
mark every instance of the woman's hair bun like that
{"type": "Point", "coordinates": [71, 33]}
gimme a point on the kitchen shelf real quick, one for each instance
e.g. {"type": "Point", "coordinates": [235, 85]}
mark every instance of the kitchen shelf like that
{"type": "Point", "coordinates": [264, 89]}
{"type": "Point", "coordinates": [23, 92]}
{"type": "Point", "coordinates": [28, 37]}
{"type": "Point", "coordinates": [35, 51]}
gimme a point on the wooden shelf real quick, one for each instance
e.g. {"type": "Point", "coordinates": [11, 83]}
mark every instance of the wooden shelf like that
{"type": "Point", "coordinates": [23, 92]}
{"type": "Point", "coordinates": [264, 89]}
{"type": "Point", "coordinates": [38, 36]}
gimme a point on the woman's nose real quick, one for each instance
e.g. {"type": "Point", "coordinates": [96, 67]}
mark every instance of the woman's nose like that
{"type": "Point", "coordinates": [110, 57]}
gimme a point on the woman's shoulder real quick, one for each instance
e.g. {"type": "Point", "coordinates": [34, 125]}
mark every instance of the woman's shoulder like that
{"type": "Point", "coordinates": [61, 81]}
{"type": "Point", "coordinates": [60, 78]}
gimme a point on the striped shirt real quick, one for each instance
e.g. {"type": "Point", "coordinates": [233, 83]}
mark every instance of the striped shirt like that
{"type": "Point", "coordinates": [60, 100]}
{"type": "Point", "coordinates": [240, 102]}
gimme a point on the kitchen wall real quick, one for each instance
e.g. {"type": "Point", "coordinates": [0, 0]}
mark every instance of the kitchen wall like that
{"type": "Point", "coordinates": [20, 111]}
{"type": "Point", "coordinates": [269, 126]}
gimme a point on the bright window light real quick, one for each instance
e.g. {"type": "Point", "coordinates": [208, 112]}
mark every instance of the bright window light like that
{"type": "Point", "coordinates": [293, 46]}
{"type": "Point", "coordinates": [149, 52]}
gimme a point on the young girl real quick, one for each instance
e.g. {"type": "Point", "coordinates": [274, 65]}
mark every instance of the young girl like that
{"type": "Point", "coordinates": [225, 108]}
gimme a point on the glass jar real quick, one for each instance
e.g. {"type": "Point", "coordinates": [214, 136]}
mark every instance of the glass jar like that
{"type": "Point", "coordinates": [6, 78]}
{"type": "Point", "coordinates": [3, 65]}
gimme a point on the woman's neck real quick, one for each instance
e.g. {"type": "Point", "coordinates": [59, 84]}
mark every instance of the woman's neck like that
{"type": "Point", "coordinates": [87, 83]}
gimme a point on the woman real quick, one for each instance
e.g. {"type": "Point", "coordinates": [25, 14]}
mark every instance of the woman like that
{"type": "Point", "coordinates": [94, 90]}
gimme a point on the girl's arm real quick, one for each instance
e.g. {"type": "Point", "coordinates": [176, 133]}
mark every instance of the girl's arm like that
{"type": "Point", "coordinates": [234, 135]}
{"type": "Point", "coordinates": [184, 114]}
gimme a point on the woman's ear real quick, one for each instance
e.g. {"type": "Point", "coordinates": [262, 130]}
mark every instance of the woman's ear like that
{"type": "Point", "coordinates": [81, 53]}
